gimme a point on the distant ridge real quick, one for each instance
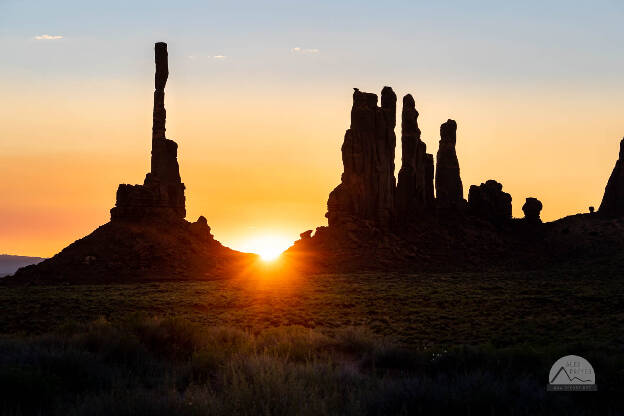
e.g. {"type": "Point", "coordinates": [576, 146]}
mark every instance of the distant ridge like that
{"type": "Point", "coordinates": [9, 263]}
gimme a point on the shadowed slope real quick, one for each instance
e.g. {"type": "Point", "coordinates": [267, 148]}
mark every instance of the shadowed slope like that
{"type": "Point", "coordinates": [124, 251]}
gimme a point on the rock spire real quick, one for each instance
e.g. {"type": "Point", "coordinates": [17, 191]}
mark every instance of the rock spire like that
{"type": "Point", "coordinates": [366, 191]}
{"type": "Point", "coordinates": [448, 184]}
{"type": "Point", "coordinates": [414, 192]}
{"type": "Point", "coordinates": [162, 193]}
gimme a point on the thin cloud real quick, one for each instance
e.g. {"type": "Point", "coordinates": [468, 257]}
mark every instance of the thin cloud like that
{"type": "Point", "coordinates": [203, 58]}
{"type": "Point", "coordinates": [303, 50]}
{"type": "Point", "coordinates": [48, 37]}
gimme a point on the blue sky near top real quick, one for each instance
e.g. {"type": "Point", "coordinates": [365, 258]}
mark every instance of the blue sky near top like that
{"type": "Point", "coordinates": [489, 42]}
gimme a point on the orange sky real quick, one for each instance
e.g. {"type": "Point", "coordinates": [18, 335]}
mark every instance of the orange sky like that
{"type": "Point", "coordinates": [259, 97]}
{"type": "Point", "coordinates": [258, 161]}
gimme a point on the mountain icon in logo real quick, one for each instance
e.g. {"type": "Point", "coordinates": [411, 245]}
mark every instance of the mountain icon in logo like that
{"type": "Point", "coordinates": [572, 373]}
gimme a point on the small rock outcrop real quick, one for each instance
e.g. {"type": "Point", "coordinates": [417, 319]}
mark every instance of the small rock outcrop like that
{"type": "Point", "coordinates": [366, 191]}
{"type": "Point", "coordinates": [162, 194]}
{"type": "Point", "coordinates": [448, 184]}
{"type": "Point", "coordinates": [612, 204]}
{"type": "Point", "coordinates": [414, 192]}
{"type": "Point", "coordinates": [532, 208]}
{"type": "Point", "coordinates": [488, 201]}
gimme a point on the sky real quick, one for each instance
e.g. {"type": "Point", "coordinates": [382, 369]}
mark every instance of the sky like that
{"type": "Point", "coordinates": [259, 96]}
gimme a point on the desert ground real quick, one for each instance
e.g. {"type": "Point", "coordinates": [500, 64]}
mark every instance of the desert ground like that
{"type": "Point", "coordinates": [269, 343]}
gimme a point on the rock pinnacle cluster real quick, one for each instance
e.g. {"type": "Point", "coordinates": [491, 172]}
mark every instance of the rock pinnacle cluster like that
{"type": "Point", "coordinates": [367, 187]}
{"type": "Point", "coordinates": [368, 193]}
{"type": "Point", "coordinates": [416, 221]}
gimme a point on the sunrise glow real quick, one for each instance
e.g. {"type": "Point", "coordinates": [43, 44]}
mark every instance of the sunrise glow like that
{"type": "Point", "coordinates": [268, 246]}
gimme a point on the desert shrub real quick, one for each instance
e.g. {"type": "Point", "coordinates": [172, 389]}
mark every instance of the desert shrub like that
{"type": "Point", "coordinates": [172, 338]}
{"type": "Point", "coordinates": [124, 369]}
{"type": "Point", "coordinates": [135, 403]}
{"type": "Point", "coordinates": [295, 343]}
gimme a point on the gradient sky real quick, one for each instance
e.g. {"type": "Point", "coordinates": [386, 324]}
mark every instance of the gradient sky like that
{"type": "Point", "coordinates": [259, 95]}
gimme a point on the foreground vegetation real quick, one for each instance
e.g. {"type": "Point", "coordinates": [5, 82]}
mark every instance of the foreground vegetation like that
{"type": "Point", "coordinates": [423, 310]}
{"type": "Point", "coordinates": [327, 344]}
{"type": "Point", "coordinates": [166, 367]}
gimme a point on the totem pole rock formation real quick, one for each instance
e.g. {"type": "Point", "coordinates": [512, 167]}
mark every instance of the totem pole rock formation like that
{"type": "Point", "coordinates": [448, 184]}
{"type": "Point", "coordinates": [532, 208]}
{"type": "Point", "coordinates": [414, 193]}
{"type": "Point", "coordinates": [162, 194]}
{"type": "Point", "coordinates": [147, 237]}
{"type": "Point", "coordinates": [366, 191]}
{"type": "Point", "coordinates": [612, 204]}
{"type": "Point", "coordinates": [489, 202]}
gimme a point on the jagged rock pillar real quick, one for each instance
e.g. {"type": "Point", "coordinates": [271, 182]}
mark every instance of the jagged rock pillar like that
{"type": "Point", "coordinates": [161, 58]}
{"type": "Point", "coordinates": [612, 204]}
{"type": "Point", "coordinates": [412, 193]}
{"type": "Point", "coordinates": [448, 184]}
{"type": "Point", "coordinates": [162, 193]}
{"type": "Point", "coordinates": [366, 191]}
{"type": "Point", "coordinates": [165, 171]}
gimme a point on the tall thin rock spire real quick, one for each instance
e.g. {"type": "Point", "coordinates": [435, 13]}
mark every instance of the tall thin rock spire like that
{"type": "Point", "coordinates": [160, 80]}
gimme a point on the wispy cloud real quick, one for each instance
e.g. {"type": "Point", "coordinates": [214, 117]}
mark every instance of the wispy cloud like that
{"type": "Point", "coordinates": [203, 58]}
{"type": "Point", "coordinates": [304, 50]}
{"type": "Point", "coordinates": [48, 37]}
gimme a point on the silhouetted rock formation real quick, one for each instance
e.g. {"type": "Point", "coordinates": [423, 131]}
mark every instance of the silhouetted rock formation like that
{"type": "Point", "coordinates": [429, 178]}
{"type": "Point", "coordinates": [374, 223]}
{"type": "Point", "coordinates": [489, 202]}
{"type": "Point", "coordinates": [147, 237]}
{"type": "Point", "coordinates": [532, 208]}
{"type": "Point", "coordinates": [366, 192]}
{"type": "Point", "coordinates": [159, 118]}
{"type": "Point", "coordinates": [127, 251]}
{"type": "Point", "coordinates": [612, 204]}
{"type": "Point", "coordinates": [162, 194]}
{"type": "Point", "coordinates": [414, 193]}
{"type": "Point", "coordinates": [366, 232]}
{"type": "Point", "coordinates": [448, 184]}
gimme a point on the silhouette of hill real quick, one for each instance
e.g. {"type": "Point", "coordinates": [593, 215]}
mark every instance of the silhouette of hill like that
{"type": "Point", "coordinates": [124, 251]}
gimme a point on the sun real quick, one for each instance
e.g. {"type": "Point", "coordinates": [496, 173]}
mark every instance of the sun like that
{"type": "Point", "coordinates": [268, 246]}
